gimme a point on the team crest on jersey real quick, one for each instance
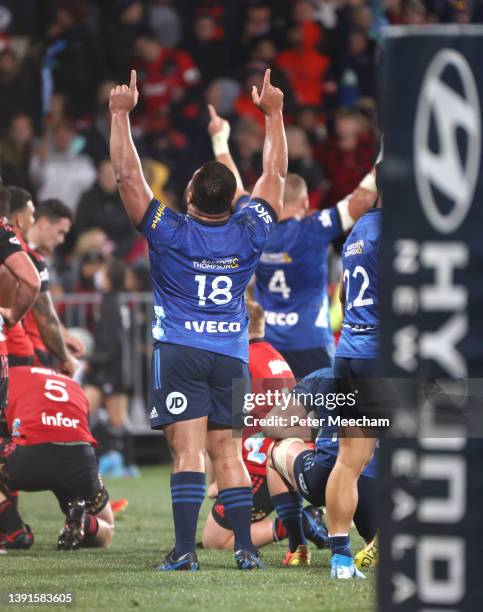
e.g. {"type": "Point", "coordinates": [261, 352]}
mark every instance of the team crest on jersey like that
{"type": "Point", "coordinates": [355, 248]}
{"type": "Point", "coordinates": [325, 218]}
{"type": "Point", "coordinates": [275, 258]}
{"type": "Point", "coordinates": [278, 366]}
{"type": "Point", "coordinates": [220, 263]}
{"type": "Point", "coordinates": [158, 215]}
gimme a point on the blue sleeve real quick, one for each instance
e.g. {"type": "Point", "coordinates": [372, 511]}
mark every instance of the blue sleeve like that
{"type": "Point", "coordinates": [241, 203]}
{"type": "Point", "coordinates": [159, 224]}
{"type": "Point", "coordinates": [260, 219]}
{"type": "Point", "coordinates": [325, 224]}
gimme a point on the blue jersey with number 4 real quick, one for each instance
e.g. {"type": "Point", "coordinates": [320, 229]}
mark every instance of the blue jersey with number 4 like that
{"type": "Point", "coordinates": [360, 263]}
{"type": "Point", "coordinates": [291, 282]}
{"type": "Point", "coordinates": [200, 272]}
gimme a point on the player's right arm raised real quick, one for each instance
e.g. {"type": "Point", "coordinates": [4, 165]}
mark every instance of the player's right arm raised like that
{"type": "Point", "coordinates": [271, 185]}
{"type": "Point", "coordinates": [134, 190]}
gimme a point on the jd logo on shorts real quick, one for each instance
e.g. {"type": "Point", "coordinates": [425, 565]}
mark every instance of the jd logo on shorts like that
{"type": "Point", "coordinates": [176, 402]}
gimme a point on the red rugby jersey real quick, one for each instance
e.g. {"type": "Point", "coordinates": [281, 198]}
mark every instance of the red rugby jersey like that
{"type": "Point", "coordinates": [9, 244]}
{"type": "Point", "coordinates": [45, 406]}
{"type": "Point", "coordinates": [269, 371]}
{"type": "Point", "coordinates": [29, 322]}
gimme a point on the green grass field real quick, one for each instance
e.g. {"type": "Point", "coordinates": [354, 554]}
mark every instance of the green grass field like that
{"type": "Point", "coordinates": [122, 578]}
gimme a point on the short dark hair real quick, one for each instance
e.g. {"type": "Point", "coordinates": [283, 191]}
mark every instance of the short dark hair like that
{"type": "Point", "coordinates": [18, 199]}
{"type": "Point", "coordinates": [4, 202]}
{"type": "Point", "coordinates": [54, 210]}
{"type": "Point", "coordinates": [116, 274]}
{"type": "Point", "coordinates": [213, 188]}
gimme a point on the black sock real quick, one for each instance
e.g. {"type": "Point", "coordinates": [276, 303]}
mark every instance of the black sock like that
{"type": "Point", "coordinates": [10, 520]}
{"type": "Point", "coordinates": [238, 503]}
{"type": "Point", "coordinates": [187, 494]}
{"type": "Point", "coordinates": [289, 508]}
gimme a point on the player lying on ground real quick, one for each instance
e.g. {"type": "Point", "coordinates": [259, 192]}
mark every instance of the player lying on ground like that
{"type": "Point", "coordinates": [201, 263]}
{"type": "Point", "coordinates": [292, 276]}
{"type": "Point", "coordinates": [51, 448]}
{"type": "Point", "coordinates": [295, 470]}
{"type": "Point", "coordinates": [268, 371]}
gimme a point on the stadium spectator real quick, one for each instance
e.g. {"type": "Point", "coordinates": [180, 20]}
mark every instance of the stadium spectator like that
{"type": "Point", "coordinates": [306, 69]}
{"type": "Point", "coordinates": [300, 158]}
{"type": "Point", "coordinates": [101, 207]}
{"type": "Point", "coordinates": [18, 88]}
{"type": "Point", "coordinates": [97, 134]}
{"type": "Point", "coordinates": [108, 376]}
{"type": "Point", "coordinates": [58, 169]}
{"type": "Point", "coordinates": [122, 23]}
{"type": "Point", "coordinates": [167, 76]}
{"type": "Point", "coordinates": [347, 155]}
{"type": "Point", "coordinates": [165, 22]}
{"type": "Point", "coordinates": [207, 49]}
{"type": "Point", "coordinates": [73, 59]}
{"type": "Point", "coordinates": [16, 151]}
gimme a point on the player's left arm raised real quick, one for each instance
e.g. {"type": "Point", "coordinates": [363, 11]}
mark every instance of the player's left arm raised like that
{"type": "Point", "coordinates": [359, 201]}
{"type": "Point", "coordinates": [134, 190]}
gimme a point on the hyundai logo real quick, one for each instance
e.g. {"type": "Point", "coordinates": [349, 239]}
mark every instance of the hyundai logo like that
{"type": "Point", "coordinates": [446, 178]}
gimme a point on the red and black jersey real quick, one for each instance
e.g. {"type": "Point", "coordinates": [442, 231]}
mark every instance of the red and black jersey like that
{"type": "Point", "coordinates": [24, 337]}
{"type": "Point", "coordinates": [45, 406]}
{"type": "Point", "coordinates": [269, 372]}
{"type": "Point", "coordinates": [29, 322]}
{"type": "Point", "coordinates": [9, 244]}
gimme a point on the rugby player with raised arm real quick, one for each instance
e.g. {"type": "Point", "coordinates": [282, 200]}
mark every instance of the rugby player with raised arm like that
{"type": "Point", "coordinates": [201, 263]}
{"type": "Point", "coordinates": [292, 276]}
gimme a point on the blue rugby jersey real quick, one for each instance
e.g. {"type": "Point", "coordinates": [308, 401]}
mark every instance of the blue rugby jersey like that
{"type": "Point", "coordinates": [360, 262]}
{"type": "Point", "coordinates": [200, 272]}
{"type": "Point", "coordinates": [318, 384]}
{"type": "Point", "coordinates": [291, 281]}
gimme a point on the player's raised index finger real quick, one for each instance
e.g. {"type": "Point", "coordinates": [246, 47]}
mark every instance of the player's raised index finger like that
{"type": "Point", "coordinates": [132, 84]}
{"type": "Point", "coordinates": [266, 78]}
{"type": "Point", "coordinates": [212, 111]}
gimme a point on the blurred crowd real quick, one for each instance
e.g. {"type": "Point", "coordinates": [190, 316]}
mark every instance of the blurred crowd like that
{"type": "Point", "coordinates": [59, 60]}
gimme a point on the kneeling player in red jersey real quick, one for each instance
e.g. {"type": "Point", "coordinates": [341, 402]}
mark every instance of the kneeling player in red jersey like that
{"type": "Point", "coordinates": [268, 371]}
{"type": "Point", "coordinates": [50, 448]}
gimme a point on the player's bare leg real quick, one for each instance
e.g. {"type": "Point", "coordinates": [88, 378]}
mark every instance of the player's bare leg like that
{"type": "Point", "coordinates": [105, 528]}
{"type": "Point", "coordinates": [235, 492]}
{"type": "Point", "coordinates": [355, 452]}
{"type": "Point", "coordinates": [187, 443]}
{"type": "Point", "coordinates": [217, 537]}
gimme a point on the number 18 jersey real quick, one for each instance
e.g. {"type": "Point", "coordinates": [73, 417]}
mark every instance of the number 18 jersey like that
{"type": "Point", "coordinates": [360, 263]}
{"type": "Point", "coordinates": [200, 272]}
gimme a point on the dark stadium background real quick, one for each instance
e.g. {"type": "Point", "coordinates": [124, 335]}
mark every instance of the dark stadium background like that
{"type": "Point", "coordinates": [60, 58]}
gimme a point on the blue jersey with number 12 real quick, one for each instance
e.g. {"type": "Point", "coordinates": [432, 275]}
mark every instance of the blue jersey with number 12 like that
{"type": "Point", "coordinates": [200, 273]}
{"type": "Point", "coordinates": [360, 263]}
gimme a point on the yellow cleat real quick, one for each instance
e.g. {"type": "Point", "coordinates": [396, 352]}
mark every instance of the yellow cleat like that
{"type": "Point", "coordinates": [299, 558]}
{"type": "Point", "coordinates": [368, 557]}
